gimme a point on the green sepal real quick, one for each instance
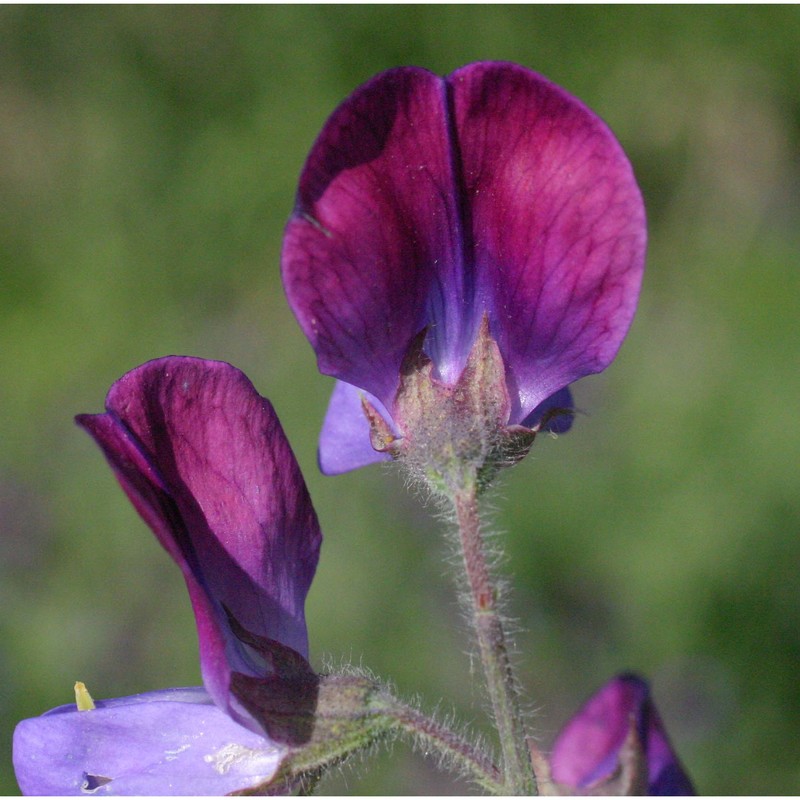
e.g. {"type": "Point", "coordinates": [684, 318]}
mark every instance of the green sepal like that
{"type": "Point", "coordinates": [453, 435]}
{"type": "Point", "coordinates": [347, 717]}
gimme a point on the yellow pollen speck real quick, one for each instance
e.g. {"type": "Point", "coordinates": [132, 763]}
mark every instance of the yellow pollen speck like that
{"type": "Point", "coordinates": [82, 697]}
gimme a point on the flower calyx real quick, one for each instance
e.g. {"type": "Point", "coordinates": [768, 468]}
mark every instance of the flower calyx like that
{"type": "Point", "coordinates": [320, 719]}
{"type": "Point", "coordinates": [346, 717]}
{"type": "Point", "coordinates": [452, 434]}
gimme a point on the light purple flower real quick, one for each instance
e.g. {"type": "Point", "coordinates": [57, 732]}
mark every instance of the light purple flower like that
{"type": "Point", "coordinates": [432, 203]}
{"type": "Point", "coordinates": [596, 742]}
{"type": "Point", "coordinates": [171, 742]}
{"type": "Point", "coordinates": [205, 462]}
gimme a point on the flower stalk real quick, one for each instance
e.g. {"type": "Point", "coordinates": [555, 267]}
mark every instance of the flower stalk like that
{"type": "Point", "coordinates": [353, 714]}
{"type": "Point", "coordinates": [500, 682]}
{"type": "Point", "coordinates": [462, 754]}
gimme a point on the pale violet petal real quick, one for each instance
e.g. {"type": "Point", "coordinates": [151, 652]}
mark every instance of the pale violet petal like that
{"type": "Point", "coordinates": [344, 443]}
{"type": "Point", "coordinates": [170, 742]}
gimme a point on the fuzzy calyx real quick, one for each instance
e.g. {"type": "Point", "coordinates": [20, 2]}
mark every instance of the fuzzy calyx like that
{"type": "Point", "coordinates": [452, 434]}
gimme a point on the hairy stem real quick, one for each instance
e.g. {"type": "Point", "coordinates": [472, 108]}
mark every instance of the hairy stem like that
{"type": "Point", "coordinates": [460, 753]}
{"type": "Point", "coordinates": [517, 770]}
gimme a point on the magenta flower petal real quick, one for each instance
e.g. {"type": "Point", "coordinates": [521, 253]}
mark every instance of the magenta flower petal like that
{"type": "Point", "coordinates": [587, 749]}
{"type": "Point", "coordinates": [171, 742]}
{"type": "Point", "coordinates": [344, 443]}
{"type": "Point", "coordinates": [558, 226]}
{"type": "Point", "coordinates": [205, 462]}
{"type": "Point", "coordinates": [427, 203]}
{"type": "Point", "coordinates": [375, 215]}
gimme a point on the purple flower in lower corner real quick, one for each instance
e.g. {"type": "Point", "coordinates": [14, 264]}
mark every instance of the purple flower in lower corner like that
{"type": "Point", "coordinates": [205, 462]}
{"type": "Point", "coordinates": [477, 236]}
{"type": "Point", "coordinates": [616, 744]}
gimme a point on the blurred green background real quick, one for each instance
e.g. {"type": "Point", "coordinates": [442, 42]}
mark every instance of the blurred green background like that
{"type": "Point", "coordinates": [148, 162]}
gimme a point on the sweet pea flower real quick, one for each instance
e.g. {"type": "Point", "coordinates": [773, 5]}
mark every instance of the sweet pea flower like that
{"type": "Point", "coordinates": [436, 212]}
{"type": "Point", "coordinates": [205, 462]}
{"type": "Point", "coordinates": [616, 744]}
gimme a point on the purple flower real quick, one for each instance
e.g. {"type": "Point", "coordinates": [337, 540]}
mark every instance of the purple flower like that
{"type": "Point", "coordinates": [618, 736]}
{"type": "Point", "coordinates": [428, 205]}
{"type": "Point", "coordinates": [205, 462]}
{"type": "Point", "coordinates": [173, 742]}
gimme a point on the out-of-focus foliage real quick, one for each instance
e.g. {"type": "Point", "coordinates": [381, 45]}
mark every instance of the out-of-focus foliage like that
{"type": "Point", "coordinates": [148, 160]}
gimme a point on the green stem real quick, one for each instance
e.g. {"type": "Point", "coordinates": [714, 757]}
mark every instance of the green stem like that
{"type": "Point", "coordinates": [467, 758]}
{"type": "Point", "coordinates": [517, 769]}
